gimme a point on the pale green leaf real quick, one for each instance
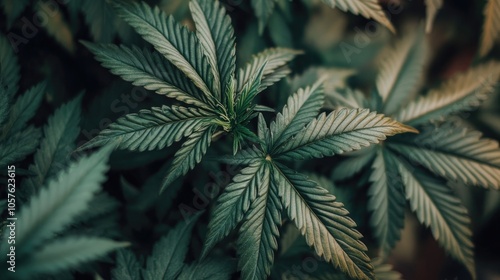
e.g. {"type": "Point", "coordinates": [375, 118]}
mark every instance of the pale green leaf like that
{"type": "Point", "coordinates": [168, 255]}
{"type": "Point", "coordinates": [68, 252]}
{"type": "Point", "coordinates": [65, 197]}
{"type": "Point", "coordinates": [301, 108]}
{"type": "Point", "coordinates": [151, 129]}
{"type": "Point", "coordinates": [127, 266]}
{"type": "Point", "coordinates": [275, 59]}
{"type": "Point", "coordinates": [401, 70]}
{"type": "Point", "coordinates": [245, 156]}
{"type": "Point", "coordinates": [491, 27]}
{"type": "Point", "coordinates": [455, 153]}
{"type": "Point", "coordinates": [234, 202]}
{"type": "Point", "coordinates": [173, 41]}
{"type": "Point", "coordinates": [57, 144]}
{"type": "Point", "coordinates": [324, 223]}
{"type": "Point", "coordinates": [369, 9]}
{"type": "Point", "coordinates": [257, 241]}
{"type": "Point", "coordinates": [216, 36]}
{"type": "Point", "coordinates": [385, 271]}
{"type": "Point", "coordinates": [438, 208]}
{"type": "Point", "coordinates": [190, 154]}
{"type": "Point", "coordinates": [386, 201]}
{"type": "Point", "coordinates": [353, 164]}
{"type": "Point", "coordinates": [149, 70]}
{"type": "Point", "coordinates": [462, 92]}
{"type": "Point", "coordinates": [340, 131]}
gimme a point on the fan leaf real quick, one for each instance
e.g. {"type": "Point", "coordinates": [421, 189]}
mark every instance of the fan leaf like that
{"type": "Point", "coordinates": [151, 129]}
{"type": "Point", "coordinates": [324, 223]}
{"type": "Point", "coordinates": [340, 131]}
{"type": "Point", "coordinates": [462, 92]}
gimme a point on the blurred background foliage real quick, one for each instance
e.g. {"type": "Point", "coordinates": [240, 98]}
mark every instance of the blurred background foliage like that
{"type": "Point", "coordinates": [46, 38]}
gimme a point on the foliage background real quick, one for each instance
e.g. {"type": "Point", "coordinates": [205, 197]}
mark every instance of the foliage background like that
{"type": "Point", "coordinates": [69, 69]}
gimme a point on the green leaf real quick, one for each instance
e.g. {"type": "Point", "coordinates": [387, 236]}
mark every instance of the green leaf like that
{"type": "Point", "coordinates": [149, 70]}
{"type": "Point", "coordinates": [462, 92]}
{"type": "Point", "coordinates": [324, 222]}
{"type": "Point", "coordinates": [189, 154]}
{"type": "Point", "coordinates": [491, 27]}
{"type": "Point", "coordinates": [68, 252]}
{"type": "Point", "coordinates": [61, 201]}
{"type": "Point", "coordinates": [9, 75]}
{"type": "Point", "coordinates": [369, 9]}
{"type": "Point", "coordinates": [171, 40]}
{"type": "Point", "coordinates": [457, 154]}
{"type": "Point", "coordinates": [386, 201]}
{"type": "Point", "coordinates": [208, 269]}
{"type": "Point", "coordinates": [245, 156]}
{"type": "Point", "coordinates": [151, 129]}
{"type": "Point", "coordinates": [438, 208]}
{"type": "Point", "coordinates": [127, 266]}
{"type": "Point", "coordinates": [101, 19]}
{"type": "Point", "coordinates": [249, 91]}
{"type": "Point", "coordinates": [169, 252]}
{"type": "Point", "coordinates": [384, 271]}
{"type": "Point", "coordinates": [234, 202]}
{"type": "Point", "coordinates": [216, 36]}
{"type": "Point", "coordinates": [345, 98]}
{"type": "Point", "coordinates": [340, 131]}
{"type": "Point", "coordinates": [60, 134]}
{"type": "Point", "coordinates": [263, 10]}
{"type": "Point", "coordinates": [257, 241]}
{"type": "Point", "coordinates": [23, 110]}
{"type": "Point", "coordinates": [301, 108]}
{"type": "Point", "coordinates": [401, 70]}
{"type": "Point", "coordinates": [19, 145]}
{"type": "Point", "coordinates": [275, 59]}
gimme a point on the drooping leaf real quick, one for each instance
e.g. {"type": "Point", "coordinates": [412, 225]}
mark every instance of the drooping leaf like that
{"type": "Point", "coordinates": [68, 252]}
{"type": "Point", "coordinates": [60, 134]}
{"type": "Point", "coordinates": [341, 131]}
{"type": "Point", "coordinates": [152, 129]}
{"type": "Point", "coordinates": [324, 223]}
{"type": "Point", "coordinates": [189, 154]}
{"type": "Point", "coordinates": [23, 110]}
{"type": "Point", "coordinates": [369, 9]}
{"type": "Point", "coordinates": [401, 70]}
{"type": "Point", "coordinates": [301, 108]}
{"type": "Point", "coordinates": [127, 266]}
{"type": "Point", "coordinates": [275, 60]}
{"type": "Point", "coordinates": [386, 201]}
{"type": "Point", "coordinates": [19, 145]}
{"type": "Point", "coordinates": [66, 196]}
{"type": "Point", "coordinates": [460, 93]}
{"type": "Point", "coordinates": [173, 41]}
{"type": "Point", "coordinates": [438, 208]}
{"type": "Point", "coordinates": [457, 154]}
{"type": "Point", "coordinates": [257, 241]}
{"type": "Point", "coordinates": [149, 70]}
{"type": "Point", "coordinates": [168, 255]}
{"type": "Point", "coordinates": [491, 27]}
{"type": "Point", "coordinates": [216, 36]}
{"type": "Point", "coordinates": [234, 202]}
{"type": "Point", "coordinates": [432, 7]}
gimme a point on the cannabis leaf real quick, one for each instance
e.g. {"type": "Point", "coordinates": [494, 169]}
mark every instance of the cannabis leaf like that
{"type": "Point", "coordinates": [491, 27]}
{"type": "Point", "coordinates": [432, 7]}
{"type": "Point", "coordinates": [197, 69]}
{"type": "Point", "coordinates": [266, 188]}
{"type": "Point", "coordinates": [167, 259]}
{"type": "Point", "coordinates": [51, 211]}
{"type": "Point", "coordinates": [406, 166]}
